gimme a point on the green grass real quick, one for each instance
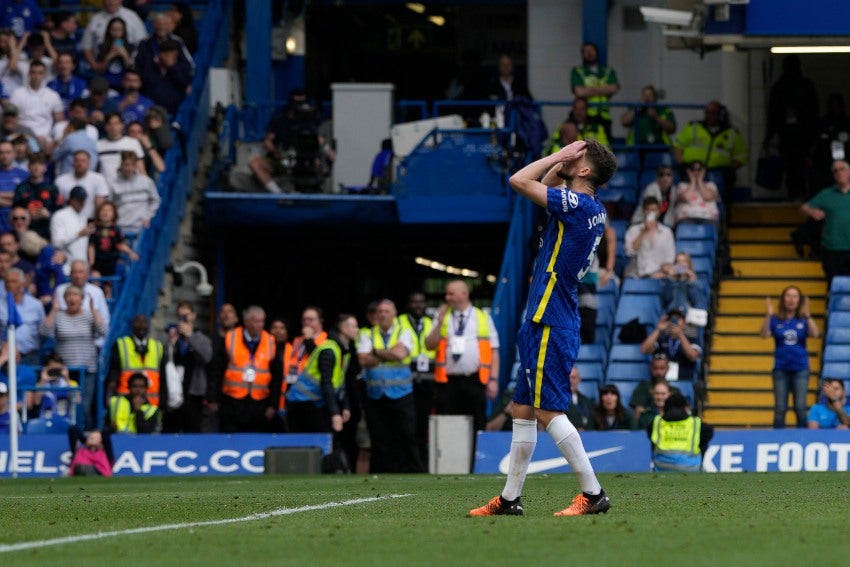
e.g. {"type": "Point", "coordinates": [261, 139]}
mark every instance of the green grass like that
{"type": "Point", "coordinates": [708, 519]}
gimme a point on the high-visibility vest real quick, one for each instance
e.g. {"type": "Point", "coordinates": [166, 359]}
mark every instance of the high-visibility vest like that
{"type": "Point", "coordinates": [299, 355]}
{"type": "Point", "coordinates": [285, 359]}
{"type": "Point", "coordinates": [121, 414]}
{"type": "Point", "coordinates": [308, 387]}
{"type": "Point", "coordinates": [390, 378]}
{"type": "Point", "coordinates": [676, 443]}
{"type": "Point", "coordinates": [485, 349]}
{"type": "Point", "coordinates": [697, 143]}
{"type": "Point", "coordinates": [132, 363]}
{"type": "Point", "coordinates": [590, 131]}
{"type": "Point", "coordinates": [596, 104]}
{"type": "Point", "coordinates": [419, 342]}
{"type": "Point", "coordinates": [240, 362]}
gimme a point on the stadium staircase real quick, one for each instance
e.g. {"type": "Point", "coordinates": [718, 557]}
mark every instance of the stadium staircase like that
{"type": "Point", "coordinates": [740, 387]}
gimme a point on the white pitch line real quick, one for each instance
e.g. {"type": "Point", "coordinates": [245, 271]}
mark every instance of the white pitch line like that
{"type": "Point", "coordinates": [6, 548]}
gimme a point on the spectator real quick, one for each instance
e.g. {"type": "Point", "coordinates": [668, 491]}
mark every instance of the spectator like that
{"type": "Point", "coordinates": [661, 390]}
{"type": "Point", "coordinates": [650, 124]}
{"type": "Point", "coordinates": [187, 353]}
{"type": "Point", "coordinates": [92, 459]}
{"type": "Point", "coordinates": [832, 411]}
{"type": "Point", "coordinates": [12, 128]}
{"type": "Point", "coordinates": [76, 109]}
{"type": "Point", "coordinates": [52, 403]}
{"type": "Point", "coordinates": [466, 368]}
{"type": "Point", "coordinates": [70, 226]}
{"type": "Point", "coordinates": [155, 140]}
{"type": "Point", "coordinates": [114, 53]}
{"type": "Point", "coordinates": [48, 263]}
{"type": "Point", "coordinates": [650, 244]}
{"type": "Point", "coordinates": [421, 366]}
{"type": "Point", "coordinates": [669, 338]}
{"type": "Point", "coordinates": [38, 196]}
{"type": "Point", "coordinates": [75, 138]}
{"type": "Point", "coordinates": [137, 353]}
{"type": "Point", "coordinates": [678, 439]}
{"type": "Point", "coordinates": [312, 336]}
{"type": "Point", "coordinates": [245, 382]}
{"type": "Point", "coordinates": [96, 30]}
{"type": "Point", "coordinates": [581, 410]}
{"type": "Point", "coordinates": [21, 147]}
{"type": "Point", "coordinates": [596, 83]}
{"type": "Point", "coordinates": [713, 142]}
{"type": "Point", "coordinates": [832, 206]}
{"type": "Point", "coordinates": [10, 178]}
{"type": "Point", "coordinates": [167, 82]}
{"type": "Point", "coordinates": [132, 104]}
{"type": "Point", "coordinates": [9, 243]}
{"type": "Point", "coordinates": [384, 354]}
{"type": "Point", "coordinates": [110, 148]}
{"type": "Point", "coordinates": [135, 195]}
{"type": "Point", "coordinates": [107, 244]}
{"type": "Point", "coordinates": [150, 47]}
{"type": "Point", "coordinates": [12, 62]}
{"type": "Point", "coordinates": [96, 188]}
{"type": "Point", "coordinates": [610, 414]}
{"type": "Point", "coordinates": [22, 17]}
{"type": "Point", "coordinates": [792, 116]}
{"type": "Point", "coordinates": [680, 288]}
{"type": "Point", "coordinates": [92, 294]}
{"type": "Point", "coordinates": [642, 395]}
{"type": "Point", "coordinates": [63, 34]}
{"type": "Point", "coordinates": [40, 50]}
{"type": "Point", "coordinates": [133, 412]}
{"type": "Point", "coordinates": [99, 103]}
{"type": "Point", "coordinates": [662, 190]}
{"type": "Point", "coordinates": [32, 314]}
{"type": "Point", "coordinates": [696, 199]}
{"type": "Point", "coordinates": [227, 319]}
{"type": "Point", "coordinates": [317, 403]}
{"type": "Point", "coordinates": [578, 126]}
{"type": "Point", "coordinates": [38, 105]}
{"type": "Point", "coordinates": [183, 23]}
{"type": "Point", "coordinates": [832, 141]}
{"type": "Point", "coordinates": [790, 329]}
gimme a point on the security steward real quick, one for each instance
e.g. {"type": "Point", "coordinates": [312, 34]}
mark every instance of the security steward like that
{"type": "Point", "coordinates": [466, 368]}
{"type": "Point", "coordinates": [248, 379]}
{"type": "Point", "coordinates": [137, 353]}
{"type": "Point", "coordinates": [133, 413]}
{"type": "Point", "coordinates": [679, 439]}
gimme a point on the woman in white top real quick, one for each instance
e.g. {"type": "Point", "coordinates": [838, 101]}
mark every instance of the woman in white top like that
{"type": "Point", "coordinates": [696, 199]}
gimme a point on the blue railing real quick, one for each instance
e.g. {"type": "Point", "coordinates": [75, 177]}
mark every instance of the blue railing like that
{"type": "Point", "coordinates": [144, 277]}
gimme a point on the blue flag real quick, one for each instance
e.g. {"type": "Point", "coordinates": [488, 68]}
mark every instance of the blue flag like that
{"type": "Point", "coordinates": [14, 318]}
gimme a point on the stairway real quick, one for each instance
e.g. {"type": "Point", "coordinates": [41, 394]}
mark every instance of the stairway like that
{"type": "Point", "coordinates": [739, 383]}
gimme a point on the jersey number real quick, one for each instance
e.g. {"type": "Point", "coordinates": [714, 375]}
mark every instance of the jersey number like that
{"type": "Point", "coordinates": [589, 261]}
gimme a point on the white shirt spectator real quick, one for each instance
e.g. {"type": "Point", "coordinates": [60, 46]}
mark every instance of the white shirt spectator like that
{"type": "Point", "coordinates": [655, 250]}
{"type": "Point", "coordinates": [470, 361]}
{"type": "Point", "coordinates": [94, 184]}
{"type": "Point", "coordinates": [96, 30]}
{"type": "Point", "coordinates": [13, 79]}
{"type": "Point", "coordinates": [37, 108]}
{"type": "Point", "coordinates": [109, 153]}
{"type": "Point", "coordinates": [65, 227]}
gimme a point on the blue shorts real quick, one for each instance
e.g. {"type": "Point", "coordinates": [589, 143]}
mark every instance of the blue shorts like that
{"type": "Point", "coordinates": [546, 356]}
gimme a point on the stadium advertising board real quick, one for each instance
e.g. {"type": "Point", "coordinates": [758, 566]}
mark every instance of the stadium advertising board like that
{"type": "Point", "coordinates": [783, 450]}
{"type": "Point", "coordinates": [160, 455]}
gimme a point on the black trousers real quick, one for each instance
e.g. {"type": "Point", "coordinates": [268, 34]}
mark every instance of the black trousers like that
{"type": "Point", "coordinates": [185, 419]}
{"type": "Point", "coordinates": [463, 395]}
{"type": "Point", "coordinates": [835, 263]}
{"type": "Point", "coordinates": [423, 396]}
{"type": "Point", "coordinates": [305, 417]}
{"type": "Point", "coordinates": [392, 430]}
{"type": "Point", "coordinates": [243, 416]}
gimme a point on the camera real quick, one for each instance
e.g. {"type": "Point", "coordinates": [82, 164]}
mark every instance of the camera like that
{"type": "Point", "coordinates": [184, 318]}
{"type": "Point", "coordinates": [674, 320]}
{"type": "Point", "coordinates": [54, 372]}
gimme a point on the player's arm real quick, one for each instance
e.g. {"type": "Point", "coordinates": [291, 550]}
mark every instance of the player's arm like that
{"type": "Point", "coordinates": [525, 181]}
{"type": "Point", "coordinates": [554, 177]}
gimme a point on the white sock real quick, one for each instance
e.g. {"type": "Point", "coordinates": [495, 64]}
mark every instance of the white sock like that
{"type": "Point", "coordinates": [523, 442]}
{"type": "Point", "coordinates": [566, 437]}
{"type": "Point", "coordinates": [273, 187]}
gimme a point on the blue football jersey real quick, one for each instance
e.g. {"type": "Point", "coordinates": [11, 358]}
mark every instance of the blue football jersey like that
{"type": "Point", "coordinates": [567, 248]}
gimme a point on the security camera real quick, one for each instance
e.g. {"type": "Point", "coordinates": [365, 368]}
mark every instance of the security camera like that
{"type": "Point", "coordinates": [681, 18]}
{"type": "Point", "coordinates": [204, 289]}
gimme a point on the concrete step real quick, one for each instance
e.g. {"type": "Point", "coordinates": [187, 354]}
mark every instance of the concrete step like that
{"type": "Point", "coordinates": [758, 418]}
{"type": "Point", "coordinates": [756, 287]}
{"type": "Point", "coordinates": [761, 398]}
{"type": "Point", "coordinates": [745, 363]}
{"type": "Point", "coordinates": [766, 234]}
{"type": "Point", "coordinates": [749, 381]}
{"type": "Point", "coordinates": [763, 213]}
{"type": "Point", "coordinates": [755, 305]}
{"type": "Point", "coordinates": [721, 344]}
{"type": "Point", "coordinates": [777, 268]}
{"type": "Point", "coordinates": [772, 250]}
{"type": "Point", "coordinates": [746, 324]}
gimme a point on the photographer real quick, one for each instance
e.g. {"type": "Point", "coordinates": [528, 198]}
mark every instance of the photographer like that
{"type": "Point", "coordinates": [652, 124]}
{"type": "Point", "coordinates": [54, 374]}
{"type": "Point", "coordinates": [669, 338]}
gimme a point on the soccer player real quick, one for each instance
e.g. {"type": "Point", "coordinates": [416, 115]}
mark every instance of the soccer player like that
{"type": "Point", "coordinates": [548, 340]}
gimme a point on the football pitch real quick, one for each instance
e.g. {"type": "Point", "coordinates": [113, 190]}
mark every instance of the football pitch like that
{"type": "Point", "coordinates": [670, 519]}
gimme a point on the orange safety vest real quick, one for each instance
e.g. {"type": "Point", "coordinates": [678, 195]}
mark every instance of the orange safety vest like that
{"type": "Point", "coordinates": [287, 355]}
{"type": "Point", "coordinates": [240, 362]}
{"type": "Point", "coordinates": [132, 363]}
{"type": "Point", "coordinates": [485, 350]}
{"type": "Point", "coordinates": [295, 361]}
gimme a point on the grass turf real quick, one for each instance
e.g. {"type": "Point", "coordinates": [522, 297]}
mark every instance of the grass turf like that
{"type": "Point", "coordinates": [708, 519]}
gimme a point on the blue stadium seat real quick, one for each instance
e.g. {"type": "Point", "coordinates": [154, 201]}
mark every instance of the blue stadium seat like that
{"type": "Point", "coordinates": [695, 231]}
{"type": "Point", "coordinates": [840, 284]}
{"type": "Point", "coordinates": [716, 176]}
{"type": "Point", "coordinates": [686, 388]}
{"type": "Point", "coordinates": [590, 389]}
{"type": "Point", "coordinates": [697, 248]}
{"type": "Point", "coordinates": [628, 353]}
{"type": "Point", "coordinates": [620, 226]}
{"type": "Point", "coordinates": [840, 370]}
{"type": "Point", "coordinates": [836, 353]}
{"type": "Point", "coordinates": [645, 286]}
{"type": "Point", "coordinates": [838, 336]}
{"type": "Point", "coordinates": [624, 179]}
{"type": "Point", "coordinates": [704, 268]}
{"type": "Point", "coordinates": [626, 390]}
{"type": "Point", "coordinates": [613, 195]}
{"type": "Point", "coordinates": [839, 319]}
{"type": "Point", "coordinates": [627, 160]}
{"type": "Point", "coordinates": [839, 302]}
{"type": "Point", "coordinates": [592, 353]}
{"type": "Point", "coordinates": [647, 309]}
{"type": "Point", "coordinates": [50, 426]}
{"type": "Point", "coordinates": [610, 289]}
{"type": "Point", "coordinates": [605, 318]}
{"type": "Point", "coordinates": [590, 371]}
{"type": "Point", "coordinates": [603, 336]}
{"type": "Point", "coordinates": [627, 372]}
{"type": "Point", "coordinates": [652, 160]}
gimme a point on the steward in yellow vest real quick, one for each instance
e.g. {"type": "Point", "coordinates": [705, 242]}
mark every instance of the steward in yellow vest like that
{"type": "Point", "coordinates": [137, 353]}
{"type": "Point", "coordinates": [133, 413]}
{"type": "Point", "coordinates": [678, 438]}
